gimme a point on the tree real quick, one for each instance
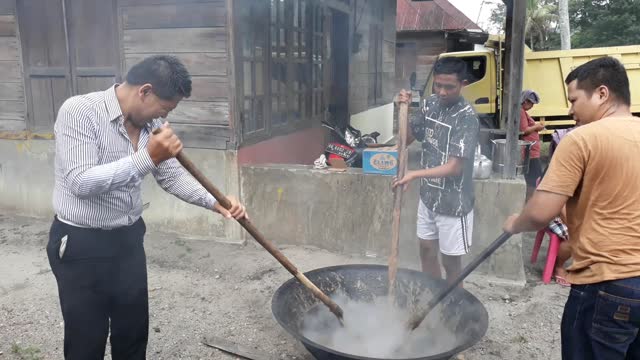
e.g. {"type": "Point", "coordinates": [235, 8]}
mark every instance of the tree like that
{"type": "Point", "coordinates": [498, 17]}
{"type": "Point", "coordinates": [597, 23]}
{"type": "Point", "coordinates": [565, 32]}
{"type": "Point", "coordinates": [541, 21]}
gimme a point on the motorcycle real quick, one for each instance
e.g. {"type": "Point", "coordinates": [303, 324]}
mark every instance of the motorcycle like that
{"type": "Point", "coordinates": [351, 142]}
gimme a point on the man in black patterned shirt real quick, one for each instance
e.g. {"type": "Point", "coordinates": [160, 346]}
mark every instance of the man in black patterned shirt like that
{"type": "Point", "coordinates": [448, 128]}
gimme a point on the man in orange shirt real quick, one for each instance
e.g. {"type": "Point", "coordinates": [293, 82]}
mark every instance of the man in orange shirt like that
{"type": "Point", "coordinates": [595, 172]}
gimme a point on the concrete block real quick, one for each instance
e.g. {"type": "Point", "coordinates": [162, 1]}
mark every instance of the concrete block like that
{"type": "Point", "coordinates": [347, 212]}
{"type": "Point", "coordinates": [496, 199]}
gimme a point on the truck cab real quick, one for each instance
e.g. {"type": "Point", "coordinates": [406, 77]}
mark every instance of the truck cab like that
{"type": "Point", "coordinates": [544, 72]}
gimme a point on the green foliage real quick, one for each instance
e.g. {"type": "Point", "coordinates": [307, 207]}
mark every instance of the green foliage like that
{"type": "Point", "coordinates": [542, 19]}
{"type": "Point", "coordinates": [597, 23]}
{"type": "Point", "coordinates": [28, 353]}
{"type": "Point", "coordinates": [594, 23]}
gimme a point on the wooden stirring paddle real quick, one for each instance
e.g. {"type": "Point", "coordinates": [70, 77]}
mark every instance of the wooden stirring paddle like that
{"type": "Point", "coordinates": [251, 229]}
{"type": "Point", "coordinates": [422, 312]}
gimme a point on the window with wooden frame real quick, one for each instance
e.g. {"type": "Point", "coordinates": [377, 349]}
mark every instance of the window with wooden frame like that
{"type": "Point", "coordinates": [288, 69]}
{"type": "Point", "coordinates": [253, 55]}
{"type": "Point", "coordinates": [299, 62]}
{"type": "Point", "coordinates": [318, 57]}
{"type": "Point", "coordinates": [376, 42]}
{"type": "Point", "coordinates": [279, 62]}
{"type": "Point", "coordinates": [375, 64]}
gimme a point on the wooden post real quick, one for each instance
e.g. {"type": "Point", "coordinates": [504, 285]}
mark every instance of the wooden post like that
{"type": "Point", "coordinates": [67, 43]}
{"type": "Point", "coordinates": [403, 126]}
{"type": "Point", "coordinates": [516, 74]}
{"type": "Point", "coordinates": [506, 64]}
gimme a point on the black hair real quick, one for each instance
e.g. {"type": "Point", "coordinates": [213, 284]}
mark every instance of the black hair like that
{"type": "Point", "coordinates": [450, 66]}
{"type": "Point", "coordinates": [167, 75]}
{"type": "Point", "coordinates": [604, 71]}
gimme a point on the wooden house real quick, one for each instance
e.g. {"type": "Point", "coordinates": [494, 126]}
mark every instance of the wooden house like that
{"type": "Point", "coordinates": [265, 73]}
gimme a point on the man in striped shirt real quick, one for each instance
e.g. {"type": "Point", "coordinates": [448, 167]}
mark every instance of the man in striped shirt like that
{"type": "Point", "coordinates": [104, 149]}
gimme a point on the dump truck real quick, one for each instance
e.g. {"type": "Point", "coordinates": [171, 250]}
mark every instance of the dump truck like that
{"type": "Point", "coordinates": [544, 72]}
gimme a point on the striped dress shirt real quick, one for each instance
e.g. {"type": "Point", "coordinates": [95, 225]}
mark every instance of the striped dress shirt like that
{"type": "Point", "coordinates": [98, 174]}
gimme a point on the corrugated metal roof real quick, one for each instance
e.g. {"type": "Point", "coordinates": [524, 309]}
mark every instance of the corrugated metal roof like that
{"type": "Point", "coordinates": [431, 15]}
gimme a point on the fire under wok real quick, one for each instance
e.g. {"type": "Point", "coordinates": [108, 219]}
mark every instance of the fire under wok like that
{"type": "Point", "coordinates": [455, 325]}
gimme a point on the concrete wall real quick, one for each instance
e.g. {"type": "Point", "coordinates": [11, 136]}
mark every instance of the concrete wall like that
{"type": "Point", "coordinates": [351, 213]}
{"type": "Point", "coordinates": [343, 212]}
{"type": "Point", "coordinates": [26, 186]}
{"type": "Point", "coordinates": [26, 177]}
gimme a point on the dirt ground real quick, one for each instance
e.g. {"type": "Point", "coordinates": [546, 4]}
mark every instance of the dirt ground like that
{"type": "Point", "coordinates": [200, 289]}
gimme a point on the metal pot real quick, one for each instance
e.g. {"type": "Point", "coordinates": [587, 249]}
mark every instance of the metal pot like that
{"type": "Point", "coordinates": [363, 282]}
{"type": "Point", "coordinates": [481, 166]}
{"type": "Point", "coordinates": [498, 155]}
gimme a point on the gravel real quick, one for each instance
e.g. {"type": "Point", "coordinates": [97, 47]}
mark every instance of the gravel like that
{"type": "Point", "coordinates": [199, 289]}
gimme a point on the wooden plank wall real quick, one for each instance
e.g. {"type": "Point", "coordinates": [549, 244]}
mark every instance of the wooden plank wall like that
{"type": "Point", "coordinates": [196, 32]}
{"type": "Point", "coordinates": [389, 51]}
{"type": "Point", "coordinates": [361, 62]}
{"type": "Point", "coordinates": [428, 46]}
{"type": "Point", "coordinates": [12, 106]}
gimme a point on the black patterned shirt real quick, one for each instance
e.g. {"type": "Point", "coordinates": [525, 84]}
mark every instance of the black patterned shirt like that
{"type": "Point", "coordinates": [446, 131]}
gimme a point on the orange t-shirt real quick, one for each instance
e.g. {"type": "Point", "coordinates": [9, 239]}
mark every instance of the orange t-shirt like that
{"type": "Point", "coordinates": [598, 167]}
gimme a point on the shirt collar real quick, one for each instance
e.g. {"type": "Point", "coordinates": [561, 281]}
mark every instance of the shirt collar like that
{"type": "Point", "coordinates": [113, 106]}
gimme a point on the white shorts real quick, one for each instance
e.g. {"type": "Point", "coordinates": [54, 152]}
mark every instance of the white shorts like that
{"type": "Point", "coordinates": [452, 232]}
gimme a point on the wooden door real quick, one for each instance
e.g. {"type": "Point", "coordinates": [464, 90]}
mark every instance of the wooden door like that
{"type": "Point", "coordinates": [406, 57]}
{"type": "Point", "coordinates": [93, 44]}
{"type": "Point", "coordinates": [69, 48]}
{"type": "Point", "coordinates": [46, 66]}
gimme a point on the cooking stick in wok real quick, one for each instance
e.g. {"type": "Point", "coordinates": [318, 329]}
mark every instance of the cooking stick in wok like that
{"type": "Point", "coordinates": [251, 229]}
{"type": "Point", "coordinates": [422, 313]}
{"type": "Point", "coordinates": [397, 196]}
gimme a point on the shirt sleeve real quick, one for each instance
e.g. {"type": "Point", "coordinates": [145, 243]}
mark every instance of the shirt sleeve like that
{"type": "Point", "coordinates": [567, 167]}
{"type": "Point", "coordinates": [77, 154]}
{"type": "Point", "coordinates": [174, 179]}
{"type": "Point", "coordinates": [524, 121]}
{"type": "Point", "coordinates": [464, 137]}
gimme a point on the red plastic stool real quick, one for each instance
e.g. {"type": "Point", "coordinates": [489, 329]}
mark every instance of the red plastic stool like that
{"type": "Point", "coordinates": [552, 253]}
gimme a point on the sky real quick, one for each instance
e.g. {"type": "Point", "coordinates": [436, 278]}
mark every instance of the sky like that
{"type": "Point", "coordinates": [476, 10]}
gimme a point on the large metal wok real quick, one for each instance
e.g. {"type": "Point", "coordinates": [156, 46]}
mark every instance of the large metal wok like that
{"type": "Point", "coordinates": [292, 301]}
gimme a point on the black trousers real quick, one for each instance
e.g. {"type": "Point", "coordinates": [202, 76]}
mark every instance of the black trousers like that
{"type": "Point", "coordinates": [102, 284]}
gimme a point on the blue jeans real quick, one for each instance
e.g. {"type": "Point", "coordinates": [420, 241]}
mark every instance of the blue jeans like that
{"type": "Point", "coordinates": [601, 321]}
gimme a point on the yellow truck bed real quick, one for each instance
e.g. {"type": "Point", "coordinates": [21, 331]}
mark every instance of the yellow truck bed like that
{"type": "Point", "coordinates": [545, 72]}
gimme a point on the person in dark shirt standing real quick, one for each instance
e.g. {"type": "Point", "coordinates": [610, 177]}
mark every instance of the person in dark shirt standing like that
{"type": "Point", "coordinates": [448, 128]}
